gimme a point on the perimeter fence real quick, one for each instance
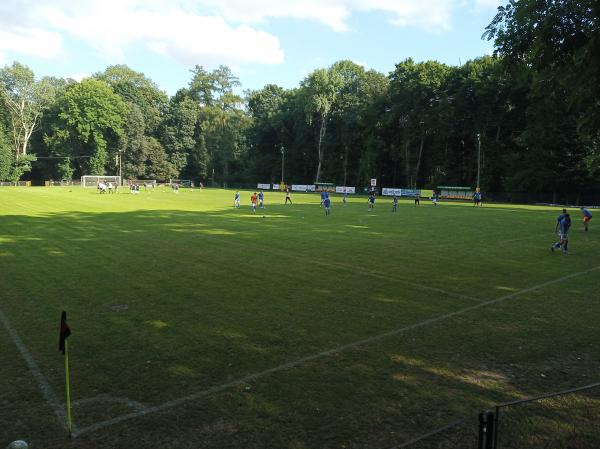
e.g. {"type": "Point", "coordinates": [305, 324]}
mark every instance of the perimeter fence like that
{"type": "Point", "coordinates": [567, 419]}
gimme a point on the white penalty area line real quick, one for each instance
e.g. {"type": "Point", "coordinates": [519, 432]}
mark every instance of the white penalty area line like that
{"type": "Point", "coordinates": [43, 384]}
{"type": "Point", "coordinates": [218, 388]}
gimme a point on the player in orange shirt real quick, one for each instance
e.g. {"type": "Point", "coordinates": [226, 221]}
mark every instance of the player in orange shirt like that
{"type": "Point", "coordinates": [253, 199]}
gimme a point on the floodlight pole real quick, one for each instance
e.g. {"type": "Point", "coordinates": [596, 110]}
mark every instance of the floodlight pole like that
{"type": "Point", "coordinates": [120, 157]}
{"type": "Point", "coordinates": [282, 149]}
{"type": "Point", "coordinates": [478, 157]}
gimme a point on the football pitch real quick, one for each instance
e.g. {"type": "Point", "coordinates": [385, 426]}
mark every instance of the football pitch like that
{"type": "Point", "coordinates": [197, 325]}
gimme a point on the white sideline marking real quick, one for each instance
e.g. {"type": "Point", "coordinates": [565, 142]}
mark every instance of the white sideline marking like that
{"type": "Point", "coordinates": [398, 280]}
{"type": "Point", "coordinates": [41, 381]}
{"type": "Point", "coordinates": [292, 364]}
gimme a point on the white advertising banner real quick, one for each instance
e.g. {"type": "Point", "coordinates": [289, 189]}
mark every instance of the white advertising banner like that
{"type": "Point", "coordinates": [303, 187]}
{"type": "Point", "coordinates": [345, 189]}
{"type": "Point", "coordinates": [264, 186]}
{"type": "Point", "coordinates": [275, 186]}
{"type": "Point", "coordinates": [387, 191]}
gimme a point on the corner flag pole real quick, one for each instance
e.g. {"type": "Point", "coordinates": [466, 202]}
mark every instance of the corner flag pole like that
{"type": "Point", "coordinates": [69, 425]}
{"type": "Point", "coordinates": [63, 346]}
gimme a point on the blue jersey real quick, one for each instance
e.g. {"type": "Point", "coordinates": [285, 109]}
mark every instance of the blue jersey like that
{"type": "Point", "coordinates": [586, 213]}
{"type": "Point", "coordinates": [565, 223]}
{"type": "Point", "coordinates": [395, 199]}
{"type": "Point", "coordinates": [323, 194]}
{"type": "Point", "coordinates": [237, 196]}
{"type": "Point", "coordinates": [327, 202]}
{"type": "Point", "coordinates": [260, 196]}
{"type": "Point", "coordinates": [372, 199]}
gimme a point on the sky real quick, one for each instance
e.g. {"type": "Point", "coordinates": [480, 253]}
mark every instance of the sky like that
{"type": "Point", "coordinates": [262, 41]}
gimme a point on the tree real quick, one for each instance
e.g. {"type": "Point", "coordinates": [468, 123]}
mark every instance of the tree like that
{"type": "Point", "coordinates": [221, 120]}
{"type": "Point", "coordinates": [134, 87]}
{"type": "Point", "coordinates": [559, 41]}
{"type": "Point", "coordinates": [25, 99]}
{"type": "Point", "coordinates": [417, 95]}
{"type": "Point", "coordinates": [90, 122]}
{"type": "Point", "coordinates": [321, 89]}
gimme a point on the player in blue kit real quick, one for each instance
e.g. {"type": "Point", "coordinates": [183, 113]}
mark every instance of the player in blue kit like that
{"type": "Point", "coordinates": [587, 216]}
{"type": "Point", "coordinates": [563, 224]}
{"type": "Point", "coordinates": [261, 199]}
{"type": "Point", "coordinates": [327, 204]}
{"type": "Point", "coordinates": [371, 201]}
{"type": "Point", "coordinates": [394, 203]}
{"type": "Point", "coordinates": [323, 197]}
{"type": "Point", "coordinates": [236, 200]}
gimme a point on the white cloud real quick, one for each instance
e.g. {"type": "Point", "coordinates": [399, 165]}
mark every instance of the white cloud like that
{"type": "Point", "coordinates": [114, 27]}
{"type": "Point", "coordinates": [30, 41]}
{"type": "Point", "coordinates": [429, 14]}
{"type": "Point", "coordinates": [195, 31]}
{"type": "Point", "coordinates": [490, 3]}
{"type": "Point", "coordinates": [79, 76]}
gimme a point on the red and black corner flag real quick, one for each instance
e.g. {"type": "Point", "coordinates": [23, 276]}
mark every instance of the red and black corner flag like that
{"type": "Point", "coordinates": [65, 331]}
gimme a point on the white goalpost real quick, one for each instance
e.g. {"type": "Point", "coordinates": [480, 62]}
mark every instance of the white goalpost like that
{"type": "Point", "coordinates": [92, 181]}
{"type": "Point", "coordinates": [182, 182]}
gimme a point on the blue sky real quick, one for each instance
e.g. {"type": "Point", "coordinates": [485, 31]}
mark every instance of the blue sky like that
{"type": "Point", "coordinates": [263, 41]}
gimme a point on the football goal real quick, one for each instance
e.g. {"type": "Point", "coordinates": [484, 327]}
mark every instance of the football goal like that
{"type": "Point", "coordinates": [182, 182]}
{"type": "Point", "coordinates": [146, 183]}
{"type": "Point", "coordinates": [92, 181]}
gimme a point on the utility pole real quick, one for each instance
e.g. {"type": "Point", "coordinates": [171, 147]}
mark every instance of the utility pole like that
{"type": "Point", "coordinates": [282, 161]}
{"type": "Point", "coordinates": [120, 158]}
{"type": "Point", "coordinates": [478, 157]}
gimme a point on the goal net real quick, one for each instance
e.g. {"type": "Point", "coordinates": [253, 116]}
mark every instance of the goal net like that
{"type": "Point", "coordinates": [148, 183]}
{"type": "Point", "coordinates": [182, 182]}
{"type": "Point", "coordinates": [92, 181]}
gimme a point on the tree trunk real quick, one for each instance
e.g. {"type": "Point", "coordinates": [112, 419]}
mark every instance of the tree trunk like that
{"type": "Point", "coordinates": [345, 164]}
{"type": "Point", "coordinates": [419, 159]}
{"type": "Point", "coordinates": [322, 131]}
{"type": "Point", "coordinates": [407, 158]}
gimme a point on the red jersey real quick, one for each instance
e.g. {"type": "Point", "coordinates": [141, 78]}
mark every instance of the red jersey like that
{"type": "Point", "coordinates": [253, 199]}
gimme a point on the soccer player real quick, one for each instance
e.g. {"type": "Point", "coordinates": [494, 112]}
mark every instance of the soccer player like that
{"type": "Point", "coordinates": [253, 201]}
{"type": "Point", "coordinates": [371, 201]}
{"type": "Point", "coordinates": [563, 223]}
{"type": "Point", "coordinates": [327, 204]}
{"type": "Point", "coordinates": [261, 199]}
{"type": "Point", "coordinates": [345, 199]}
{"type": "Point", "coordinates": [288, 196]}
{"type": "Point", "coordinates": [434, 198]}
{"type": "Point", "coordinates": [587, 216]}
{"type": "Point", "coordinates": [236, 200]}
{"type": "Point", "coordinates": [417, 200]}
{"type": "Point", "coordinates": [394, 203]}
{"type": "Point", "coordinates": [323, 197]}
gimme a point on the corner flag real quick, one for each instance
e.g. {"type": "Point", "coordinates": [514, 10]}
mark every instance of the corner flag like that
{"type": "Point", "coordinates": [63, 347]}
{"type": "Point", "coordinates": [65, 331]}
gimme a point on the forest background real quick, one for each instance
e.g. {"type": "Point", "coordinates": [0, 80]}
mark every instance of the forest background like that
{"type": "Point", "coordinates": [532, 108]}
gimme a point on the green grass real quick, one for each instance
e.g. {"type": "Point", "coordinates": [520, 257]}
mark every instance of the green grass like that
{"type": "Point", "coordinates": [169, 295]}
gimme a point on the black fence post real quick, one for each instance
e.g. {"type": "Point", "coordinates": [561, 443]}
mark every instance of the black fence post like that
{"type": "Point", "coordinates": [487, 421]}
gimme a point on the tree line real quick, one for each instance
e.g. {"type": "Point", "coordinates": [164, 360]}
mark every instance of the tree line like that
{"type": "Point", "coordinates": [529, 116]}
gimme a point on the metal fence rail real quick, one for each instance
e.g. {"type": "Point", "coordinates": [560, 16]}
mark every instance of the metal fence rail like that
{"type": "Point", "coordinates": [568, 419]}
{"type": "Point", "coordinates": [564, 420]}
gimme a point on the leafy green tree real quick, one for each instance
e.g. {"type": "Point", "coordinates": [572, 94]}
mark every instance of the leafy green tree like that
{"type": "Point", "coordinates": [134, 87]}
{"type": "Point", "coordinates": [90, 121]}
{"type": "Point", "coordinates": [418, 95]}
{"type": "Point", "coordinates": [222, 120]}
{"type": "Point", "coordinates": [6, 155]}
{"type": "Point", "coordinates": [559, 40]}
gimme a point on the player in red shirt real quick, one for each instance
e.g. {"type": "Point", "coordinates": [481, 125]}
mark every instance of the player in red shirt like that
{"type": "Point", "coordinates": [253, 199]}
